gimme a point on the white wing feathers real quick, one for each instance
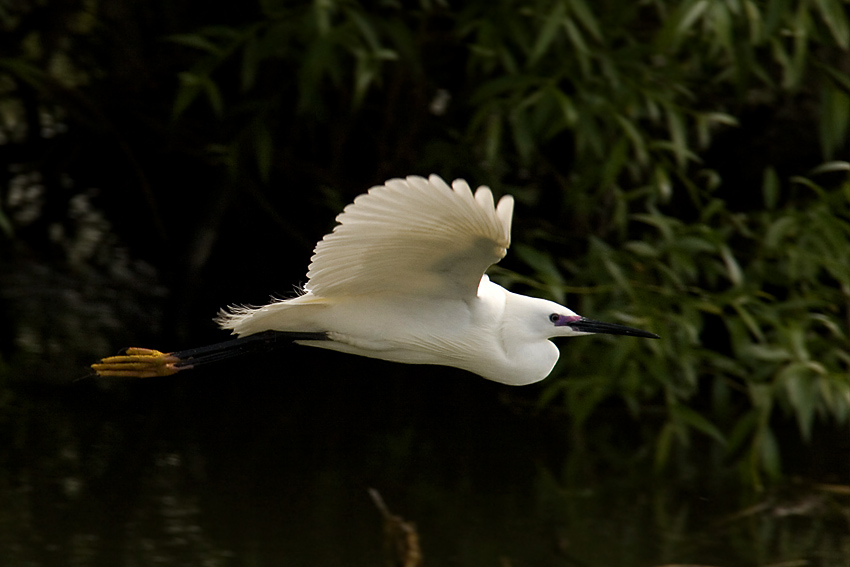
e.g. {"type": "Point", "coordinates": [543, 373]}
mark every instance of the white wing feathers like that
{"type": "Point", "coordinates": [413, 236]}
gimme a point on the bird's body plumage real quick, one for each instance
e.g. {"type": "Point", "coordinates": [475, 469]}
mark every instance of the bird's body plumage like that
{"type": "Point", "coordinates": [479, 334]}
{"type": "Point", "coordinates": [402, 278]}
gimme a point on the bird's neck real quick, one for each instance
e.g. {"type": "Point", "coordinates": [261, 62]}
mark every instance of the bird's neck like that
{"type": "Point", "coordinates": [530, 361]}
{"type": "Point", "coordinates": [529, 357]}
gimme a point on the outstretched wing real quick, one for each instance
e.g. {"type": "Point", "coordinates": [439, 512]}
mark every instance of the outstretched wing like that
{"type": "Point", "coordinates": [414, 236]}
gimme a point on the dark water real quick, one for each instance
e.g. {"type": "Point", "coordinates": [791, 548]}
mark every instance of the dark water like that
{"type": "Point", "coordinates": [269, 463]}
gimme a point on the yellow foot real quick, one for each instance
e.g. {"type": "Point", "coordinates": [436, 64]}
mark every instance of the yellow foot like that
{"type": "Point", "coordinates": [138, 363]}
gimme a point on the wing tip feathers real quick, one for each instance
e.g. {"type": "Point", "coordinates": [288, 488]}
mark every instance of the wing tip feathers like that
{"type": "Point", "coordinates": [505, 212]}
{"type": "Point", "coordinates": [483, 197]}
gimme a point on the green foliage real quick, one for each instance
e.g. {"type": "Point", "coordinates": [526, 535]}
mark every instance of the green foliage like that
{"type": "Point", "coordinates": [751, 307]}
{"type": "Point", "coordinates": [322, 54]}
{"type": "Point", "coordinates": [754, 303]}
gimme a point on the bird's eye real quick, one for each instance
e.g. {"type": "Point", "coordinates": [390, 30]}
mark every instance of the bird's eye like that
{"type": "Point", "coordinates": [554, 317]}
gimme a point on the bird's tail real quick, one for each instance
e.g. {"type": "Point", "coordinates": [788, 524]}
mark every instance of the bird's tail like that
{"type": "Point", "coordinates": [297, 314]}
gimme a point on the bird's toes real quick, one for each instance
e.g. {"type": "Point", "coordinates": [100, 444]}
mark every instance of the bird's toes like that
{"type": "Point", "coordinates": [138, 363]}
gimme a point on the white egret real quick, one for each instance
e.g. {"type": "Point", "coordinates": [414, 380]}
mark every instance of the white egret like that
{"type": "Point", "coordinates": [401, 278]}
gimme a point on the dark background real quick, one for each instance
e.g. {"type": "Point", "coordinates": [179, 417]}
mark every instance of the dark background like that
{"type": "Point", "coordinates": [164, 159]}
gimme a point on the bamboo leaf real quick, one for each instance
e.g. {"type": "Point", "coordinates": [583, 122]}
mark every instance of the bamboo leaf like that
{"type": "Point", "coordinates": [365, 27]}
{"type": "Point", "coordinates": [768, 452]}
{"type": "Point", "coordinates": [565, 104]}
{"type": "Point", "coordinates": [364, 76]}
{"type": "Point", "coordinates": [522, 136]}
{"type": "Point", "coordinates": [801, 389]}
{"type": "Point", "coordinates": [638, 143]}
{"type": "Point", "coordinates": [805, 182]}
{"type": "Point", "coordinates": [770, 188]}
{"type": "Point", "coordinates": [506, 85]}
{"type": "Point", "coordinates": [678, 136]}
{"type": "Point", "coordinates": [695, 12]}
{"type": "Point", "coordinates": [775, 13]}
{"type": "Point", "coordinates": [796, 66]}
{"type": "Point", "coordinates": [662, 181]}
{"type": "Point", "coordinates": [188, 90]}
{"type": "Point", "coordinates": [250, 63]}
{"type": "Point", "coordinates": [778, 230]}
{"type": "Point", "coordinates": [581, 50]}
{"type": "Point", "coordinates": [830, 167]}
{"type": "Point", "coordinates": [585, 16]}
{"type": "Point", "coordinates": [834, 14]}
{"type": "Point", "coordinates": [544, 267]}
{"type": "Point", "coordinates": [614, 163]}
{"type": "Point", "coordinates": [213, 95]}
{"type": "Point", "coordinates": [768, 353]}
{"type": "Point", "coordinates": [834, 117]}
{"type": "Point", "coordinates": [678, 151]}
{"type": "Point", "coordinates": [839, 79]}
{"type": "Point", "coordinates": [664, 445]}
{"type": "Point", "coordinates": [196, 41]}
{"type": "Point", "coordinates": [664, 224]}
{"type": "Point", "coordinates": [748, 320]}
{"type": "Point", "coordinates": [697, 421]}
{"type": "Point", "coordinates": [743, 431]}
{"type": "Point", "coordinates": [721, 22]}
{"type": "Point", "coordinates": [641, 248]}
{"type": "Point", "coordinates": [733, 269]}
{"type": "Point", "coordinates": [492, 137]}
{"type": "Point", "coordinates": [721, 118]}
{"type": "Point", "coordinates": [754, 21]}
{"type": "Point", "coordinates": [6, 225]}
{"type": "Point", "coordinates": [548, 32]}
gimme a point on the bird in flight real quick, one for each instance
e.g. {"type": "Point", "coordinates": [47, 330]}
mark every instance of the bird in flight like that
{"type": "Point", "coordinates": [401, 278]}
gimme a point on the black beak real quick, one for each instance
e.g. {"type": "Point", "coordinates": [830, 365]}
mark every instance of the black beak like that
{"type": "Point", "coordinates": [585, 325]}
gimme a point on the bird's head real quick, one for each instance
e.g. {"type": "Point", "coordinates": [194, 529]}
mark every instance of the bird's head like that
{"type": "Point", "coordinates": [548, 319]}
